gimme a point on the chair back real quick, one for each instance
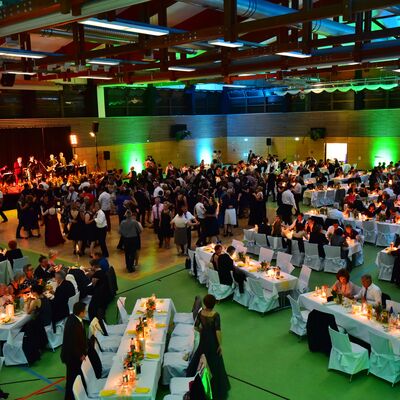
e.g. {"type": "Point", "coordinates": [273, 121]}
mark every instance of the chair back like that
{"type": "Point", "coordinates": [78, 389]}
{"type": "Point", "coordinates": [265, 255]}
{"type": "Point", "coordinates": [19, 264]}
{"type": "Point", "coordinates": [196, 307]}
{"type": "Point", "coordinates": [6, 272]}
{"type": "Point", "coordinates": [123, 315]}
{"type": "Point", "coordinates": [71, 278]}
{"type": "Point", "coordinates": [332, 251]}
{"type": "Point", "coordinates": [237, 243]}
{"type": "Point", "coordinates": [393, 304]}
{"type": "Point", "coordinates": [283, 262]}
{"type": "Point", "coordinates": [380, 345]}
{"type": "Point", "coordinates": [295, 307]}
{"type": "Point", "coordinates": [248, 234]}
{"type": "Point", "coordinates": [295, 250]}
{"type": "Point", "coordinates": [261, 239]}
{"type": "Point", "coordinates": [71, 301]}
{"type": "Point", "coordinates": [255, 287]}
{"type": "Point", "coordinates": [383, 228]}
{"type": "Point", "coordinates": [311, 249]}
{"type": "Point", "coordinates": [89, 375]}
{"type": "Point", "coordinates": [191, 254]}
{"type": "Point", "coordinates": [213, 277]}
{"type": "Point", "coordinates": [385, 298]}
{"type": "Point", "coordinates": [330, 197]}
{"type": "Point", "coordinates": [340, 341]}
{"type": "Point", "coordinates": [304, 278]}
{"type": "Point", "coordinates": [94, 327]}
{"type": "Point", "coordinates": [275, 242]}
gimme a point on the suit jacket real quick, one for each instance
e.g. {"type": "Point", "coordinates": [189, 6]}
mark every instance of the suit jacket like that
{"type": "Point", "coordinates": [40, 273]}
{"type": "Point", "coordinates": [60, 301]}
{"type": "Point", "coordinates": [74, 341]}
{"type": "Point", "coordinates": [81, 280]}
{"type": "Point", "coordinates": [225, 266]}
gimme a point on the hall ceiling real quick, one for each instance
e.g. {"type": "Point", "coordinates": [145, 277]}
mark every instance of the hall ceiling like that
{"type": "Point", "coordinates": [164, 40]}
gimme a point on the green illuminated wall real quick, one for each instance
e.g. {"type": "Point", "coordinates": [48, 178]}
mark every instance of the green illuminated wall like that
{"type": "Point", "coordinates": [385, 150]}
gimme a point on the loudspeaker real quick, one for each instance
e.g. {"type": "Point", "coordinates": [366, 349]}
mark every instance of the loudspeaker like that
{"type": "Point", "coordinates": [174, 129]}
{"type": "Point", "coordinates": [95, 126]}
{"type": "Point", "coordinates": [269, 141]}
{"type": "Point", "coordinates": [7, 80]}
{"type": "Point", "coordinates": [106, 155]}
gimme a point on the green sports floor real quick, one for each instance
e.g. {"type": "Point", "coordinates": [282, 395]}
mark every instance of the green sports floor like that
{"type": "Point", "coordinates": [264, 361]}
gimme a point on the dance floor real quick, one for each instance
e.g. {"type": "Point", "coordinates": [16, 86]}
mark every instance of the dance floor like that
{"type": "Point", "coordinates": [264, 361]}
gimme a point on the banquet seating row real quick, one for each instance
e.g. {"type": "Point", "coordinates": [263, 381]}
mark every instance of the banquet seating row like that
{"type": "Point", "coordinates": [7, 271]}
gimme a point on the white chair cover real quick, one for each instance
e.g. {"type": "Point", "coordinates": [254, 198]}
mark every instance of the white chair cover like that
{"type": "Point", "coordinates": [242, 298]}
{"type": "Point", "coordinates": [6, 272]}
{"type": "Point", "coordinates": [329, 197]}
{"type": "Point", "coordinates": [191, 254]}
{"type": "Point", "coordinates": [78, 389]}
{"type": "Point", "coordinates": [106, 343]}
{"type": "Point", "coordinates": [215, 288]}
{"type": "Point", "coordinates": [173, 397]}
{"type": "Point", "coordinates": [202, 276]}
{"type": "Point", "coordinates": [71, 278]}
{"type": "Point", "coordinates": [93, 385]}
{"type": "Point", "coordinates": [249, 235]}
{"type": "Point", "coordinates": [179, 386]}
{"type": "Point", "coordinates": [181, 344]}
{"type": "Point", "coordinates": [298, 322]}
{"type": "Point", "coordinates": [174, 365]}
{"type": "Point", "coordinates": [369, 231]}
{"type": "Point", "coordinates": [123, 315]}
{"type": "Point", "coordinates": [384, 235]}
{"type": "Point", "coordinates": [283, 262]}
{"type": "Point", "coordinates": [261, 239]}
{"type": "Point", "coordinates": [318, 198]}
{"type": "Point", "coordinates": [19, 264]}
{"type": "Point", "coordinates": [106, 359]}
{"type": "Point", "coordinates": [297, 257]}
{"type": "Point", "coordinates": [55, 338]}
{"type": "Point", "coordinates": [312, 258]}
{"type": "Point", "coordinates": [385, 263]}
{"type": "Point", "coordinates": [183, 330]}
{"type": "Point", "coordinates": [275, 244]}
{"type": "Point", "coordinates": [115, 330]}
{"type": "Point", "coordinates": [393, 304]}
{"type": "Point", "coordinates": [12, 349]}
{"type": "Point", "coordinates": [262, 300]}
{"type": "Point", "coordinates": [188, 318]}
{"type": "Point", "coordinates": [72, 300]}
{"type": "Point", "coordinates": [383, 362]}
{"type": "Point", "coordinates": [265, 255]}
{"type": "Point", "coordinates": [304, 278]}
{"type": "Point", "coordinates": [346, 356]}
{"type": "Point", "coordinates": [237, 244]}
{"type": "Point", "coordinates": [333, 262]}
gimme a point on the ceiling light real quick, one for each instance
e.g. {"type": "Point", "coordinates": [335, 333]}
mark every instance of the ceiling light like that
{"type": "Point", "coordinates": [235, 86]}
{"type": "Point", "coordinates": [134, 27]}
{"type": "Point", "coordinates": [221, 42]}
{"type": "Point", "coordinates": [18, 73]}
{"type": "Point", "coordinates": [181, 69]}
{"type": "Point", "coordinates": [396, 70]}
{"type": "Point", "coordinates": [246, 75]}
{"type": "Point", "coordinates": [296, 139]}
{"type": "Point", "coordinates": [104, 78]}
{"type": "Point", "coordinates": [294, 54]}
{"type": "Point", "coordinates": [103, 61]}
{"type": "Point", "coordinates": [21, 53]}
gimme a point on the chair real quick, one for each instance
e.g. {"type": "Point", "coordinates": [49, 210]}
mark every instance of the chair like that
{"type": "Point", "coordinates": [106, 358]}
{"type": "Point", "coordinates": [329, 197]}
{"type": "Point", "coordinates": [191, 254]}
{"type": "Point", "coordinates": [283, 262]}
{"type": "Point", "coordinates": [242, 298]}
{"type": "Point", "coordinates": [12, 349]}
{"type": "Point", "coordinates": [304, 278]}
{"type": "Point", "coordinates": [312, 258]}
{"type": "Point", "coordinates": [297, 255]}
{"type": "Point", "coordinates": [106, 343]}
{"type": "Point", "coordinates": [261, 241]}
{"type": "Point", "coordinates": [346, 356]}
{"type": "Point", "coordinates": [383, 363]}
{"type": "Point", "coordinates": [384, 235]}
{"type": "Point", "coordinates": [179, 386]}
{"type": "Point", "coordinates": [6, 272]}
{"type": "Point", "coordinates": [318, 198]}
{"type": "Point", "coordinates": [71, 301]}
{"type": "Point", "coordinates": [182, 344]}
{"type": "Point", "coordinates": [218, 290]}
{"type": "Point", "coordinates": [172, 397]}
{"type": "Point", "coordinates": [266, 255]}
{"type": "Point", "coordinates": [174, 365]}
{"type": "Point", "coordinates": [189, 318]}
{"type": "Point", "coordinates": [385, 263]}
{"type": "Point", "coordinates": [333, 261]}
{"type": "Point", "coordinates": [237, 244]}
{"type": "Point", "coordinates": [298, 322]}
{"type": "Point", "coordinates": [262, 300]}
{"type": "Point", "coordinates": [369, 231]}
{"type": "Point", "coordinates": [79, 390]}
{"type": "Point", "coordinates": [248, 237]}
{"type": "Point", "coordinates": [19, 264]}
{"type": "Point", "coordinates": [340, 195]}
{"type": "Point", "coordinates": [275, 244]}
{"type": "Point", "coordinates": [394, 305]}
{"type": "Point", "coordinates": [93, 385]}
{"type": "Point", "coordinates": [201, 271]}
{"type": "Point", "coordinates": [112, 330]}
{"type": "Point", "coordinates": [123, 314]}
{"type": "Point", "coordinates": [55, 338]}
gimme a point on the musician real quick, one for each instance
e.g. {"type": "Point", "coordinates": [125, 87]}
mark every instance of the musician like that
{"type": "Point", "coordinates": [52, 162]}
{"type": "Point", "coordinates": [18, 170]}
{"type": "Point", "coordinates": [33, 167]}
{"type": "Point", "coordinates": [62, 160]}
{"type": "Point", "coordinates": [75, 161]}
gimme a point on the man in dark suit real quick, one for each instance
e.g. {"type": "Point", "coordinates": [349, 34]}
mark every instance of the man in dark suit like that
{"type": "Point", "coordinates": [74, 347]}
{"type": "Point", "coordinates": [64, 291]}
{"type": "Point", "coordinates": [225, 266]}
{"type": "Point", "coordinates": [81, 280]}
{"type": "Point", "coordinates": [43, 270]}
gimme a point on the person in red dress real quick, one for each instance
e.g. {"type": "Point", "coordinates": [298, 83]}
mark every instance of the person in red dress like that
{"type": "Point", "coordinates": [52, 234]}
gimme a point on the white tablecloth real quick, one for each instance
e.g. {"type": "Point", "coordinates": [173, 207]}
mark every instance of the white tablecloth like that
{"type": "Point", "coordinates": [356, 325]}
{"type": "Point", "coordinates": [310, 196]}
{"type": "Point", "coordinates": [151, 368]}
{"type": "Point", "coordinates": [19, 322]}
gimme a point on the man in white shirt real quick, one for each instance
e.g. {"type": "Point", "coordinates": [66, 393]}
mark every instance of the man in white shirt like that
{"type": "Point", "coordinates": [2, 215]}
{"type": "Point", "coordinates": [288, 202]}
{"type": "Point", "coordinates": [105, 204]}
{"type": "Point", "coordinates": [296, 190]}
{"type": "Point", "coordinates": [156, 217]}
{"type": "Point", "coordinates": [200, 214]}
{"type": "Point", "coordinates": [370, 292]}
{"type": "Point", "coordinates": [101, 228]}
{"type": "Point", "coordinates": [334, 213]}
{"type": "Point", "coordinates": [157, 190]}
{"type": "Point", "coordinates": [189, 218]}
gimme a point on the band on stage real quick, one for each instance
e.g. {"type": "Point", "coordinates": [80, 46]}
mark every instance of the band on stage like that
{"type": "Point", "coordinates": [36, 169]}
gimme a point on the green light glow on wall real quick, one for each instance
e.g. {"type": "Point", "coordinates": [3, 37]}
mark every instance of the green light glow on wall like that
{"type": "Point", "coordinates": [385, 150]}
{"type": "Point", "coordinates": [133, 155]}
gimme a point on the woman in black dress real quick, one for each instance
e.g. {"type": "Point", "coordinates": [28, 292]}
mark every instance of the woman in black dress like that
{"type": "Point", "coordinates": [208, 323]}
{"type": "Point", "coordinates": [211, 222]}
{"type": "Point", "coordinates": [166, 231]}
{"type": "Point", "coordinates": [90, 228]}
{"type": "Point", "coordinates": [76, 228]}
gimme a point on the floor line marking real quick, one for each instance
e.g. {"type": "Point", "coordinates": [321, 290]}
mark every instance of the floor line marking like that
{"type": "Point", "coordinates": [259, 387]}
{"type": "Point", "coordinates": [43, 378]}
{"type": "Point", "coordinates": [27, 380]}
{"type": "Point", "coordinates": [43, 390]}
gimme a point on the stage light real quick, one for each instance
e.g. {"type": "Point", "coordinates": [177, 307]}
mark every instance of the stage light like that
{"type": "Point", "coordinates": [92, 134]}
{"type": "Point", "coordinates": [73, 139]}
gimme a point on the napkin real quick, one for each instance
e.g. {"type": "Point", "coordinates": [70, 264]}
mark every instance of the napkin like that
{"type": "Point", "coordinates": [240, 264]}
{"type": "Point", "coordinates": [131, 332]}
{"type": "Point", "coordinates": [162, 312]}
{"type": "Point", "coordinates": [139, 312]}
{"type": "Point", "coordinates": [152, 356]}
{"type": "Point", "coordinates": [106, 393]}
{"type": "Point", "coordinates": [161, 325]}
{"type": "Point", "coordinates": [142, 390]}
{"type": "Point", "coordinates": [252, 270]}
{"type": "Point", "coordinates": [161, 301]}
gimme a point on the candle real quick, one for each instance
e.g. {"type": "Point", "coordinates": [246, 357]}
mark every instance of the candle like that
{"type": "Point", "coordinates": [10, 310]}
{"type": "Point", "coordinates": [142, 345]}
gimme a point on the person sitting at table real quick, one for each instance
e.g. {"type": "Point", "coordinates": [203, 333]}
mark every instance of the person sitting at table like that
{"type": "Point", "coordinates": [30, 279]}
{"type": "Point", "coordinates": [350, 199]}
{"type": "Point", "coordinates": [98, 290]}
{"type": "Point", "coordinates": [5, 296]}
{"type": "Point", "coordinates": [335, 213]}
{"type": "Point", "coordinates": [316, 236]}
{"type": "Point", "coordinates": [13, 252]}
{"type": "Point", "coordinates": [103, 262]}
{"type": "Point", "coordinates": [298, 221]}
{"type": "Point", "coordinates": [338, 239]}
{"type": "Point", "coordinates": [38, 305]}
{"type": "Point", "coordinates": [310, 225]}
{"type": "Point", "coordinates": [16, 287]}
{"type": "Point", "coordinates": [331, 229]}
{"type": "Point", "coordinates": [300, 234]}
{"type": "Point", "coordinates": [383, 211]}
{"type": "Point", "coordinates": [393, 215]}
{"type": "Point", "coordinates": [343, 285]}
{"type": "Point", "coordinates": [53, 254]}
{"type": "Point", "coordinates": [63, 292]}
{"type": "Point", "coordinates": [265, 227]}
{"type": "Point", "coordinates": [351, 233]}
{"type": "Point", "coordinates": [370, 292]}
{"type": "Point", "coordinates": [225, 266]}
{"type": "Point", "coordinates": [363, 193]}
{"type": "Point", "coordinates": [215, 256]}
{"type": "Point", "coordinates": [43, 271]}
{"type": "Point", "coordinates": [81, 279]}
{"type": "Point", "coordinates": [370, 212]}
{"type": "Point", "coordinates": [277, 227]}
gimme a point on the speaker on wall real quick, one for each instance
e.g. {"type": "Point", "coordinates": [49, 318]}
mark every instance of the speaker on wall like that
{"type": "Point", "coordinates": [7, 80]}
{"type": "Point", "coordinates": [95, 126]}
{"type": "Point", "coordinates": [269, 141]}
{"type": "Point", "coordinates": [106, 155]}
{"type": "Point", "coordinates": [174, 129]}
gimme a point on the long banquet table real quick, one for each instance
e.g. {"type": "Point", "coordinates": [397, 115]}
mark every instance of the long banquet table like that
{"type": "Point", "coordinates": [147, 382]}
{"type": "Point", "coordinates": [356, 325]}
{"type": "Point", "coordinates": [19, 320]}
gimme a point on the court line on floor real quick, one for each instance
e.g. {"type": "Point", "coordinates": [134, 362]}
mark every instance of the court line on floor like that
{"type": "Point", "coordinates": [259, 387]}
{"type": "Point", "coordinates": [43, 378]}
{"type": "Point", "coordinates": [28, 380]}
{"type": "Point", "coordinates": [152, 281]}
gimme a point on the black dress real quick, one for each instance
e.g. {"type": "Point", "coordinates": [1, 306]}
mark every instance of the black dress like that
{"type": "Point", "coordinates": [211, 222]}
{"type": "Point", "coordinates": [208, 346]}
{"type": "Point", "coordinates": [76, 227]}
{"type": "Point", "coordinates": [165, 225]}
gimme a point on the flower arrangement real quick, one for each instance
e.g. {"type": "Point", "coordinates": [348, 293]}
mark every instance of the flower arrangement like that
{"type": "Point", "coordinates": [264, 266]}
{"type": "Point", "coordinates": [241, 257]}
{"type": "Point", "coordinates": [150, 307]}
{"type": "Point", "coordinates": [381, 217]}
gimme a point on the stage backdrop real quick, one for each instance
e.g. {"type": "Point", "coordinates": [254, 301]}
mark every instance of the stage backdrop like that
{"type": "Point", "coordinates": [38, 142]}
